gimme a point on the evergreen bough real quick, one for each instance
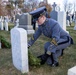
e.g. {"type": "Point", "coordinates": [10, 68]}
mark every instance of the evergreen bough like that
{"type": "Point", "coordinates": [33, 60]}
{"type": "Point", "coordinates": [4, 42]}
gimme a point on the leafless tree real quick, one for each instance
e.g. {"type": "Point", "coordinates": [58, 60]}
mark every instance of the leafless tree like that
{"type": "Point", "coordinates": [9, 8]}
{"type": "Point", "coordinates": [18, 3]}
{"type": "Point", "coordinates": [68, 7]}
{"type": "Point", "coordinates": [3, 11]}
{"type": "Point", "coordinates": [31, 5]}
{"type": "Point", "coordinates": [65, 3]}
{"type": "Point", "coordinates": [74, 7]}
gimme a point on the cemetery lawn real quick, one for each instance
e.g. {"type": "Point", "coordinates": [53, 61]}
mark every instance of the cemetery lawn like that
{"type": "Point", "coordinates": [67, 61]}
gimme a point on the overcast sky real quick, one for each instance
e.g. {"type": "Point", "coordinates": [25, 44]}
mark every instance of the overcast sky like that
{"type": "Point", "coordinates": [58, 2]}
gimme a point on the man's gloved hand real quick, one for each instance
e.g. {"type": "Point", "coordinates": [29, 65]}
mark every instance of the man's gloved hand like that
{"type": "Point", "coordinates": [54, 41]}
{"type": "Point", "coordinates": [29, 46]}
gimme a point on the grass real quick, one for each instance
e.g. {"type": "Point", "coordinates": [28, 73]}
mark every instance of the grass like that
{"type": "Point", "coordinates": [67, 61]}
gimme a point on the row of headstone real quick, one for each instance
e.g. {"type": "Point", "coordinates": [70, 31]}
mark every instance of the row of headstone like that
{"type": "Point", "coordinates": [3, 24]}
{"type": "Point", "coordinates": [59, 16]}
{"type": "Point", "coordinates": [24, 21]}
{"type": "Point", "coordinates": [75, 22]}
{"type": "Point", "coordinates": [69, 18]}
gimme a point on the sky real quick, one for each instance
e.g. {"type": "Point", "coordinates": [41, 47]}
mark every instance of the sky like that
{"type": "Point", "coordinates": [60, 2]}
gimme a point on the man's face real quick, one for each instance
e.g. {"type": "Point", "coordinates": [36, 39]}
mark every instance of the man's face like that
{"type": "Point", "coordinates": [40, 20]}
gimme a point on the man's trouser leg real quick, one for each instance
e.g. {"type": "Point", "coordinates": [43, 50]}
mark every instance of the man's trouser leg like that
{"type": "Point", "coordinates": [63, 43]}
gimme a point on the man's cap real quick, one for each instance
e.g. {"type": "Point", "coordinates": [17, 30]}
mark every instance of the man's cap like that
{"type": "Point", "coordinates": [38, 12]}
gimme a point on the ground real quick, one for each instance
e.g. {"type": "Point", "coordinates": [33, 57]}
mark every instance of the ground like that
{"type": "Point", "coordinates": [67, 61]}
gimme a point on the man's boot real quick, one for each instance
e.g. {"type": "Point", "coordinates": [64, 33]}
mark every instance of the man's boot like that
{"type": "Point", "coordinates": [54, 63]}
{"type": "Point", "coordinates": [43, 58]}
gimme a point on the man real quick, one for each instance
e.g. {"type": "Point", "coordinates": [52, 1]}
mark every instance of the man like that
{"type": "Point", "coordinates": [51, 29]}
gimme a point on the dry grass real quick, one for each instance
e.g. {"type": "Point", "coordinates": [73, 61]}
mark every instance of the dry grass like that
{"type": "Point", "coordinates": [67, 61]}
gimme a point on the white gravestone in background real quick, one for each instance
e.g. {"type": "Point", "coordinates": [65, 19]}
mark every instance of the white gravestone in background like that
{"type": "Point", "coordinates": [62, 19]}
{"type": "Point", "coordinates": [0, 44]}
{"type": "Point", "coordinates": [72, 71]}
{"type": "Point", "coordinates": [1, 24]}
{"type": "Point", "coordinates": [68, 24]}
{"type": "Point", "coordinates": [17, 23]}
{"type": "Point", "coordinates": [25, 22]}
{"type": "Point", "coordinates": [75, 22]}
{"type": "Point", "coordinates": [19, 49]}
{"type": "Point", "coordinates": [6, 24]}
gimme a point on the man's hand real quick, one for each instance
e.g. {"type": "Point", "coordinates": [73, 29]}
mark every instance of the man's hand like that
{"type": "Point", "coordinates": [29, 46]}
{"type": "Point", "coordinates": [54, 41]}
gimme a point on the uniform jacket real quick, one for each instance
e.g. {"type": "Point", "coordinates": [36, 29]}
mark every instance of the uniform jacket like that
{"type": "Point", "coordinates": [51, 29]}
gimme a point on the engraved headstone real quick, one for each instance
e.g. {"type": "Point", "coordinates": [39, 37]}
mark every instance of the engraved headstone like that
{"type": "Point", "coordinates": [19, 49]}
{"type": "Point", "coordinates": [54, 13]}
{"type": "Point", "coordinates": [62, 19]}
{"type": "Point", "coordinates": [6, 24]}
{"type": "Point", "coordinates": [25, 22]}
{"type": "Point", "coordinates": [1, 24]}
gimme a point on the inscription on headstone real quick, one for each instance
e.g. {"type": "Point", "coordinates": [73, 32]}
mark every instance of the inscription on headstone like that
{"type": "Point", "coordinates": [19, 49]}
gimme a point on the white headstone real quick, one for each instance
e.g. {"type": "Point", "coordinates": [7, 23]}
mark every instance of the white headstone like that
{"type": "Point", "coordinates": [1, 24]}
{"type": "Point", "coordinates": [19, 49]}
{"type": "Point", "coordinates": [17, 23]}
{"type": "Point", "coordinates": [72, 71]}
{"type": "Point", "coordinates": [62, 19]}
{"type": "Point", "coordinates": [75, 22]}
{"type": "Point", "coordinates": [0, 44]}
{"type": "Point", "coordinates": [68, 24]}
{"type": "Point", "coordinates": [6, 24]}
{"type": "Point", "coordinates": [75, 25]}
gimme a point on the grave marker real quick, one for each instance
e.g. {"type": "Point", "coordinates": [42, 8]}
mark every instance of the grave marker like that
{"type": "Point", "coordinates": [19, 49]}
{"type": "Point", "coordinates": [72, 71]}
